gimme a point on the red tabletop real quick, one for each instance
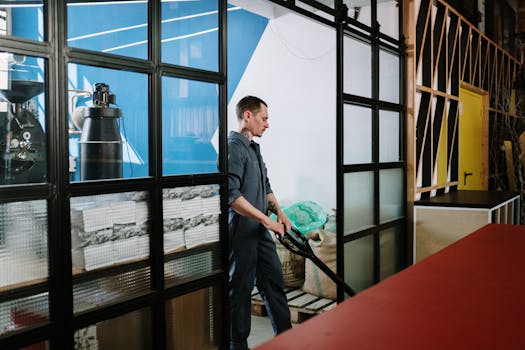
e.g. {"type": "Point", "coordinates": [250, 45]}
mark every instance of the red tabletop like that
{"type": "Point", "coordinates": [470, 295]}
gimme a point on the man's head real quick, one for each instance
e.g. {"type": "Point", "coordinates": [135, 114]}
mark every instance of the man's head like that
{"type": "Point", "coordinates": [252, 115]}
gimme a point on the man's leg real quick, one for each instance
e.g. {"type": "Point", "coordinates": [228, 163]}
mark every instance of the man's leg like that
{"type": "Point", "coordinates": [243, 258]}
{"type": "Point", "coordinates": [270, 283]}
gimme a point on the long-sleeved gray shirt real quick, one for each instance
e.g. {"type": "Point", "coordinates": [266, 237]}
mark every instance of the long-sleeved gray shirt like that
{"type": "Point", "coordinates": [247, 177]}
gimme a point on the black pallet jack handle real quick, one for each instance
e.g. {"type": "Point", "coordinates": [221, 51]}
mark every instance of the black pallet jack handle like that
{"type": "Point", "coordinates": [298, 244]}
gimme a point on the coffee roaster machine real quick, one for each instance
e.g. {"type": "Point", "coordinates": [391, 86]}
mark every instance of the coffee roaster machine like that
{"type": "Point", "coordinates": [100, 140]}
{"type": "Point", "coordinates": [22, 138]}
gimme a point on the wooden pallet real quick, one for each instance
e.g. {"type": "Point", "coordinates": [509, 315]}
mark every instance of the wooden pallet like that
{"type": "Point", "coordinates": [302, 305]}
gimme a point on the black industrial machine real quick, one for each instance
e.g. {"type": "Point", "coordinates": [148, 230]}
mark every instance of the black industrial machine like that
{"type": "Point", "coordinates": [22, 138]}
{"type": "Point", "coordinates": [100, 141]}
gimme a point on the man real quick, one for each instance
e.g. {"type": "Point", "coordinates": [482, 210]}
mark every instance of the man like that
{"type": "Point", "coordinates": [253, 257]}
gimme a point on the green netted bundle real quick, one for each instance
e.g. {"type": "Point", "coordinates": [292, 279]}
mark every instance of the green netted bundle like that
{"type": "Point", "coordinates": [306, 216]}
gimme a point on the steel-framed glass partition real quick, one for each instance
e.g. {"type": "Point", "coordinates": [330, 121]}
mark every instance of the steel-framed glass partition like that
{"type": "Point", "coordinates": [113, 176]}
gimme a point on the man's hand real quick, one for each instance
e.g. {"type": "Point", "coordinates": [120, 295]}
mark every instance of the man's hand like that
{"type": "Point", "coordinates": [283, 220]}
{"type": "Point", "coordinates": [274, 226]}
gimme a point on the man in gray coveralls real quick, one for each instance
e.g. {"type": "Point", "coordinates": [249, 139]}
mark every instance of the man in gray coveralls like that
{"type": "Point", "coordinates": [253, 257]}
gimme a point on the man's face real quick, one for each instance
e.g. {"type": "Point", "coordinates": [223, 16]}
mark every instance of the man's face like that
{"type": "Point", "coordinates": [257, 123]}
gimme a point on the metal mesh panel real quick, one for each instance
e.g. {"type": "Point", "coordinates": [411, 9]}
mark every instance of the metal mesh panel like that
{"type": "Point", "coordinates": [109, 229]}
{"type": "Point", "coordinates": [189, 267]}
{"type": "Point", "coordinates": [129, 331]}
{"type": "Point", "coordinates": [23, 242]}
{"type": "Point", "coordinates": [107, 290]}
{"type": "Point", "coordinates": [23, 312]}
{"type": "Point", "coordinates": [193, 320]}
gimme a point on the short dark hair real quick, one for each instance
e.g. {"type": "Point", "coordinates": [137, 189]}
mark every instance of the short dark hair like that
{"type": "Point", "coordinates": [249, 103]}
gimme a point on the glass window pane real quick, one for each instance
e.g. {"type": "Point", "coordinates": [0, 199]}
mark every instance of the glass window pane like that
{"type": "Point", "coordinates": [133, 329]}
{"type": "Point", "coordinates": [194, 320]}
{"type": "Point", "coordinates": [191, 267]}
{"type": "Point", "coordinates": [357, 135]}
{"type": "Point", "coordinates": [109, 229]}
{"type": "Point", "coordinates": [388, 77]}
{"type": "Point", "coordinates": [388, 17]}
{"type": "Point", "coordinates": [357, 67]}
{"type": "Point", "coordinates": [22, 18]}
{"type": "Point", "coordinates": [191, 216]}
{"type": "Point", "coordinates": [100, 292]}
{"type": "Point", "coordinates": [107, 141]}
{"type": "Point", "coordinates": [360, 10]}
{"type": "Point", "coordinates": [359, 201]}
{"type": "Point", "coordinates": [124, 34]}
{"type": "Point", "coordinates": [391, 196]}
{"type": "Point", "coordinates": [24, 312]}
{"type": "Point", "coordinates": [22, 119]}
{"type": "Point", "coordinates": [391, 252]}
{"type": "Point", "coordinates": [190, 121]}
{"type": "Point", "coordinates": [23, 243]}
{"type": "Point", "coordinates": [388, 136]}
{"type": "Point", "coordinates": [359, 263]}
{"type": "Point", "coordinates": [190, 33]}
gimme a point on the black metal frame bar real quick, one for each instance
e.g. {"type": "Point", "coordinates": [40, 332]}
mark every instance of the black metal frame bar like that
{"type": "Point", "coordinates": [378, 42]}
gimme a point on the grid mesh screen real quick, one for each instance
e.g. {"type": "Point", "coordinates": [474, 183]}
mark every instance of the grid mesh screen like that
{"type": "Point", "coordinates": [190, 216]}
{"type": "Point", "coordinates": [193, 320]}
{"type": "Point", "coordinates": [129, 331]}
{"type": "Point", "coordinates": [109, 229]}
{"type": "Point", "coordinates": [191, 267]}
{"type": "Point", "coordinates": [23, 243]}
{"type": "Point", "coordinates": [24, 312]}
{"type": "Point", "coordinates": [106, 290]}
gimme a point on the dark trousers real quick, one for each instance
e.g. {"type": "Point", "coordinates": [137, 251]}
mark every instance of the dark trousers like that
{"type": "Point", "coordinates": [253, 258]}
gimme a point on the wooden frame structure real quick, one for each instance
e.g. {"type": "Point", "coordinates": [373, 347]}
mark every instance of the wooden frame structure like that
{"type": "Point", "coordinates": [445, 51]}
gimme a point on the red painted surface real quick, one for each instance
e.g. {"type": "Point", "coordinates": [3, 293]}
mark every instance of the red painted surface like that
{"type": "Point", "coordinates": [470, 295]}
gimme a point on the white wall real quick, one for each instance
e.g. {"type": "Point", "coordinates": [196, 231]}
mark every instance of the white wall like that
{"type": "Point", "coordinates": [294, 70]}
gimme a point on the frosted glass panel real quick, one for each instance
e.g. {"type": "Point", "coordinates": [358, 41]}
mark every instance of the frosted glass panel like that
{"type": "Point", "coordinates": [23, 243]}
{"type": "Point", "coordinates": [107, 290]}
{"type": "Point", "coordinates": [359, 263]}
{"type": "Point", "coordinates": [357, 68]}
{"type": "Point", "coordinates": [388, 17]}
{"type": "Point", "coordinates": [191, 216]}
{"type": "Point", "coordinates": [359, 201]}
{"type": "Point", "coordinates": [388, 77]}
{"type": "Point", "coordinates": [357, 138]}
{"type": "Point", "coordinates": [109, 229]}
{"type": "Point", "coordinates": [388, 136]}
{"type": "Point", "coordinates": [24, 312]}
{"type": "Point", "coordinates": [192, 267]}
{"type": "Point", "coordinates": [390, 243]}
{"type": "Point", "coordinates": [391, 196]}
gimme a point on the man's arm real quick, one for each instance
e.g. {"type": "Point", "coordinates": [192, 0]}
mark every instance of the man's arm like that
{"type": "Point", "coordinates": [273, 206]}
{"type": "Point", "coordinates": [244, 208]}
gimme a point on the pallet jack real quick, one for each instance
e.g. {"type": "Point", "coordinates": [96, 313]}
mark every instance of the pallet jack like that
{"type": "Point", "coordinates": [296, 243]}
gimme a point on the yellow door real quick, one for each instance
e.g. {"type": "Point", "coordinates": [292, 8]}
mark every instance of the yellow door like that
{"type": "Point", "coordinates": [472, 141]}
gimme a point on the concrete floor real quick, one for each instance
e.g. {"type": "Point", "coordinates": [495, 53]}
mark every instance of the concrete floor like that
{"type": "Point", "coordinates": [261, 331]}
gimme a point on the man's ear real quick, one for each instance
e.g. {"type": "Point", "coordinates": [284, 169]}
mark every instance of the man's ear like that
{"type": "Point", "coordinates": [246, 115]}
